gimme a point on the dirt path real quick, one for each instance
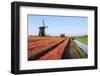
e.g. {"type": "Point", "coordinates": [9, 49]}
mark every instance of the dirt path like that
{"type": "Point", "coordinates": [72, 51]}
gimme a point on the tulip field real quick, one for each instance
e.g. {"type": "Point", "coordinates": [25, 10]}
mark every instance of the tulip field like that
{"type": "Point", "coordinates": [46, 48]}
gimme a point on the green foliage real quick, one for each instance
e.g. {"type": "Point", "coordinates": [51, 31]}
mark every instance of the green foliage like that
{"type": "Point", "coordinates": [83, 39]}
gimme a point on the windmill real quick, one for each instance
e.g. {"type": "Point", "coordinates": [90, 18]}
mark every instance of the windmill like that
{"type": "Point", "coordinates": [42, 29]}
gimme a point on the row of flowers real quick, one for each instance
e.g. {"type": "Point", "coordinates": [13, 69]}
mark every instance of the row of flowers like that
{"type": "Point", "coordinates": [55, 53]}
{"type": "Point", "coordinates": [37, 47]}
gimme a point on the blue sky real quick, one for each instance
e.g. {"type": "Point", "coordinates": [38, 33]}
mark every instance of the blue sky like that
{"type": "Point", "coordinates": [68, 25]}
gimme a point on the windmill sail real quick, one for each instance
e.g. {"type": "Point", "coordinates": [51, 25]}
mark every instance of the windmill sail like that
{"type": "Point", "coordinates": [44, 24]}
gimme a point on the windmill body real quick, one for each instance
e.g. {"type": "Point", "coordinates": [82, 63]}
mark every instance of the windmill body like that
{"type": "Point", "coordinates": [42, 29]}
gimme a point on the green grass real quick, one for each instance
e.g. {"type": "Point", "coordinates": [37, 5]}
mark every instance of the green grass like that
{"type": "Point", "coordinates": [83, 39]}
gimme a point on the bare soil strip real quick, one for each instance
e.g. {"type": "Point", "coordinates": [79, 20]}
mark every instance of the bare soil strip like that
{"type": "Point", "coordinates": [72, 51]}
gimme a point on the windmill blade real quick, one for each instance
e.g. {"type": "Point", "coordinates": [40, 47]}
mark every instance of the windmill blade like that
{"type": "Point", "coordinates": [43, 22]}
{"type": "Point", "coordinates": [46, 26]}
